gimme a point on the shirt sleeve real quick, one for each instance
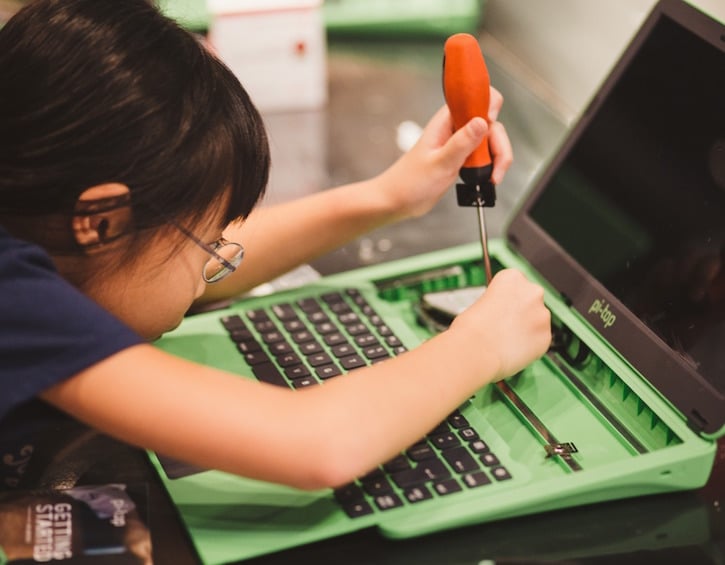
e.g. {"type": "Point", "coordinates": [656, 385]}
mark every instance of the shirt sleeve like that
{"type": "Point", "coordinates": [49, 330]}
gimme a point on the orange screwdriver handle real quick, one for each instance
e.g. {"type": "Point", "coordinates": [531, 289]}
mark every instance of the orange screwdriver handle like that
{"type": "Point", "coordinates": [466, 90]}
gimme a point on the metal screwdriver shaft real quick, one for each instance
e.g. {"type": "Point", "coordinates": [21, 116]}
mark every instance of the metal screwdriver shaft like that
{"type": "Point", "coordinates": [484, 242]}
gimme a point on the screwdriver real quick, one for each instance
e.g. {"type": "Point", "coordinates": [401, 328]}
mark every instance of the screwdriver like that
{"type": "Point", "coordinates": [466, 91]}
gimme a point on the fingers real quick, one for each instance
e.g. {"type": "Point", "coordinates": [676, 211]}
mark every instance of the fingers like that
{"type": "Point", "coordinates": [501, 151]}
{"type": "Point", "coordinates": [499, 141]}
{"type": "Point", "coordinates": [439, 128]}
{"type": "Point", "coordinates": [463, 142]}
{"type": "Point", "coordinates": [494, 105]}
{"type": "Point", "coordinates": [455, 148]}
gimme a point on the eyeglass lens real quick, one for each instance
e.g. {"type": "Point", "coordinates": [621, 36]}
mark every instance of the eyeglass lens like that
{"type": "Point", "coordinates": [214, 269]}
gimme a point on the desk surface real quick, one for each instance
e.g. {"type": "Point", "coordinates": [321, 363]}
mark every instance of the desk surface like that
{"type": "Point", "coordinates": [686, 527]}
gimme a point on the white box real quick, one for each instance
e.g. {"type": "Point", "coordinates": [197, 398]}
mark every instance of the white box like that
{"type": "Point", "coordinates": [276, 48]}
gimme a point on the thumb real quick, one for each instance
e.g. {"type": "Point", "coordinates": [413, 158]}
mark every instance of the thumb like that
{"type": "Point", "coordinates": [463, 142]}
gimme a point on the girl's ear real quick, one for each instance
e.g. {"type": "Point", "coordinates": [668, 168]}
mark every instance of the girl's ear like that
{"type": "Point", "coordinates": [102, 214]}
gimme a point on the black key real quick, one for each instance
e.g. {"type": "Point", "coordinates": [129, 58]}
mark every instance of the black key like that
{"type": "Point", "coordinates": [304, 382]}
{"type": "Point", "coordinates": [385, 331]}
{"type": "Point", "coordinates": [359, 299]}
{"type": "Point", "coordinates": [458, 420]}
{"type": "Point", "coordinates": [434, 469]}
{"type": "Point", "coordinates": [319, 359]}
{"type": "Point", "coordinates": [297, 372]}
{"type": "Point", "coordinates": [241, 334]}
{"type": "Point", "coordinates": [417, 493]}
{"type": "Point", "coordinates": [335, 338]}
{"type": "Point", "coordinates": [468, 434]}
{"type": "Point", "coordinates": [420, 452]}
{"type": "Point", "coordinates": [257, 315]}
{"type": "Point", "coordinates": [294, 325]}
{"type": "Point", "coordinates": [318, 317]}
{"type": "Point", "coordinates": [357, 329]}
{"type": "Point", "coordinates": [352, 362]}
{"type": "Point", "coordinates": [500, 473]}
{"type": "Point", "coordinates": [398, 463]}
{"type": "Point", "coordinates": [265, 326]}
{"type": "Point", "coordinates": [340, 307]}
{"type": "Point", "coordinates": [332, 297]}
{"type": "Point", "coordinates": [289, 360]}
{"type": "Point", "coordinates": [272, 337]}
{"type": "Point", "coordinates": [447, 486]}
{"type": "Point", "coordinates": [366, 340]}
{"type": "Point", "coordinates": [388, 501]}
{"type": "Point", "coordinates": [429, 470]}
{"type": "Point", "coordinates": [310, 347]}
{"type": "Point", "coordinates": [376, 484]}
{"type": "Point", "coordinates": [353, 292]}
{"type": "Point", "coordinates": [460, 460]}
{"type": "Point", "coordinates": [393, 341]}
{"type": "Point", "coordinates": [400, 349]}
{"type": "Point", "coordinates": [357, 508]}
{"type": "Point", "coordinates": [268, 373]}
{"type": "Point", "coordinates": [348, 493]}
{"type": "Point", "coordinates": [308, 305]}
{"type": "Point", "coordinates": [367, 310]}
{"type": "Point", "coordinates": [409, 478]}
{"type": "Point", "coordinates": [352, 500]}
{"type": "Point", "coordinates": [375, 320]}
{"type": "Point", "coordinates": [348, 318]}
{"type": "Point", "coordinates": [256, 357]}
{"type": "Point", "coordinates": [232, 323]}
{"type": "Point", "coordinates": [284, 311]}
{"type": "Point", "coordinates": [248, 346]}
{"type": "Point", "coordinates": [490, 460]}
{"type": "Point", "coordinates": [343, 350]}
{"type": "Point", "coordinates": [479, 446]}
{"type": "Point", "coordinates": [376, 352]}
{"type": "Point", "coordinates": [477, 479]}
{"type": "Point", "coordinates": [323, 328]}
{"type": "Point", "coordinates": [302, 336]}
{"type": "Point", "coordinates": [328, 371]}
{"type": "Point", "coordinates": [280, 348]}
{"type": "Point", "coordinates": [445, 441]}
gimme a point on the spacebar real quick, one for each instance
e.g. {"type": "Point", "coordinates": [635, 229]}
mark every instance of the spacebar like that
{"type": "Point", "coordinates": [268, 373]}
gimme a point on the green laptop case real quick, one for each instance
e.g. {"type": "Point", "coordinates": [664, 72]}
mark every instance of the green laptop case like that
{"type": "Point", "coordinates": [233, 518]}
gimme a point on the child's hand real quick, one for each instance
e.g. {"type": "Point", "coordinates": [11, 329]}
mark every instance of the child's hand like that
{"type": "Point", "coordinates": [417, 180]}
{"type": "Point", "coordinates": [509, 322]}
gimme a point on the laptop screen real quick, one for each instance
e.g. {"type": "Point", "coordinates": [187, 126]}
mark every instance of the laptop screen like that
{"type": "Point", "coordinates": [631, 213]}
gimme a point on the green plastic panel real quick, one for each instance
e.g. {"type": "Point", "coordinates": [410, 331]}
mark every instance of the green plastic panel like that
{"type": "Point", "coordinates": [629, 440]}
{"type": "Point", "coordinates": [395, 18]}
{"type": "Point", "coordinates": [192, 14]}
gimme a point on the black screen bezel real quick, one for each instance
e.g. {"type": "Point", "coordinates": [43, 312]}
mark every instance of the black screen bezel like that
{"type": "Point", "coordinates": [701, 403]}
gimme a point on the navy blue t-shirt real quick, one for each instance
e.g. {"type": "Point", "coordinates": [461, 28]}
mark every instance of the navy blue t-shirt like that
{"type": "Point", "coordinates": [49, 330]}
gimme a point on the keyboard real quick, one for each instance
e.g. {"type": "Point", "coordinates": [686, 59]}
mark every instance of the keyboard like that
{"type": "Point", "coordinates": [305, 342]}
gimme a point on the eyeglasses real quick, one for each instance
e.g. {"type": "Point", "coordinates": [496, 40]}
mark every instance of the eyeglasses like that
{"type": "Point", "coordinates": [224, 259]}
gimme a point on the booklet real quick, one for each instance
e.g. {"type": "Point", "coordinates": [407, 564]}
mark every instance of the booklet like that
{"type": "Point", "coordinates": [83, 524]}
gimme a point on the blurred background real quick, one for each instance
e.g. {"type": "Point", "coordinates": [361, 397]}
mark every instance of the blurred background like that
{"type": "Point", "coordinates": [345, 86]}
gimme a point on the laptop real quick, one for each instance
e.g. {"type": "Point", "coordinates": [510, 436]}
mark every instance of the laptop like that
{"type": "Point", "coordinates": [625, 230]}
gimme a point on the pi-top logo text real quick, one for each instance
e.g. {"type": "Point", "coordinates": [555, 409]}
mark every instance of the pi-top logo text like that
{"type": "Point", "coordinates": [601, 309]}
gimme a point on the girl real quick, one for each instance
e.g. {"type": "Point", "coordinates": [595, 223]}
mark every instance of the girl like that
{"type": "Point", "coordinates": [129, 156]}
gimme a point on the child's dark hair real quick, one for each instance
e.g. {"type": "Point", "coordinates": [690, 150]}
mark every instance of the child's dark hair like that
{"type": "Point", "coordinates": [98, 91]}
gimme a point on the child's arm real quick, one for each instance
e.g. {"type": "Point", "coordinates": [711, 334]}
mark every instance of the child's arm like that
{"type": "Point", "coordinates": [320, 436]}
{"type": "Point", "coordinates": [279, 238]}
